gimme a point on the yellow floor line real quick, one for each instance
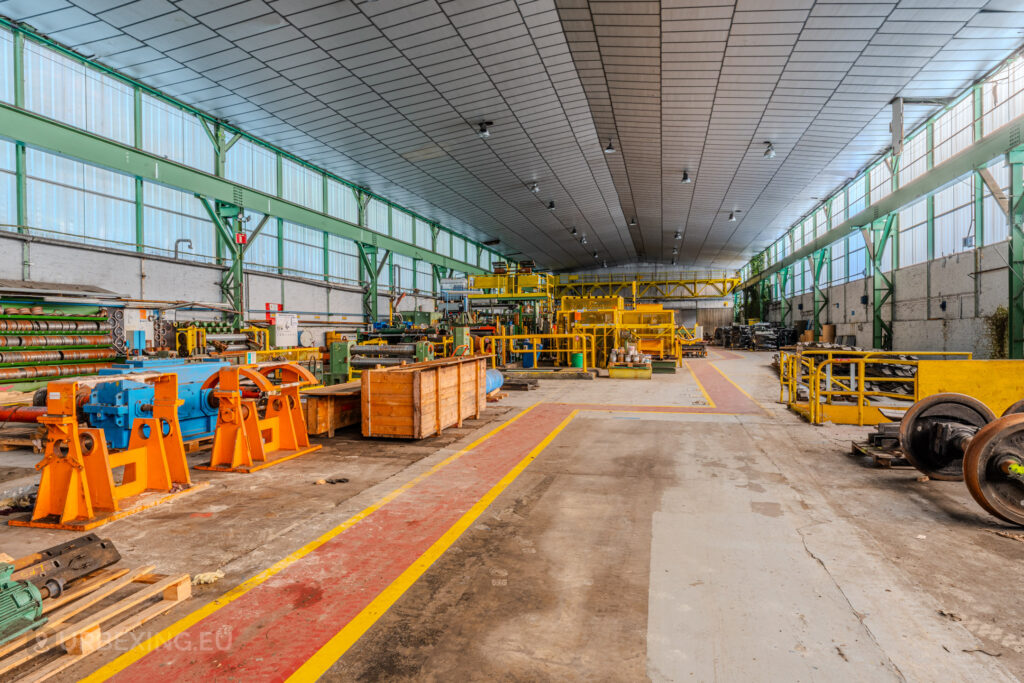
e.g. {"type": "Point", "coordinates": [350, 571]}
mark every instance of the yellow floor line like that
{"type": "Point", "coordinates": [241, 589]}
{"type": "Point", "coordinates": [700, 386]}
{"type": "Point", "coordinates": [326, 656]}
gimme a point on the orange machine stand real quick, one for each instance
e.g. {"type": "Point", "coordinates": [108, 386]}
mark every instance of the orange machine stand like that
{"type": "Point", "coordinates": [77, 490]}
{"type": "Point", "coordinates": [245, 442]}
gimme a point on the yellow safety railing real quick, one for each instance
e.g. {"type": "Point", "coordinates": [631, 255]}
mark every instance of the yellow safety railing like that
{"type": "Point", "coordinates": [812, 384]}
{"type": "Point", "coordinates": [577, 343]}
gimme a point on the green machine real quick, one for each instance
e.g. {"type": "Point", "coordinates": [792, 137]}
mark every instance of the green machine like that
{"type": "Point", "coordinates": [344, 357]}
{"type": "Point", "coordinates": [21, 605]}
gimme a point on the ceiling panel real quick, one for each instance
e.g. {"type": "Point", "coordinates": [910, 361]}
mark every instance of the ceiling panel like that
{"type": "Point", "coordinates": [389, 93]}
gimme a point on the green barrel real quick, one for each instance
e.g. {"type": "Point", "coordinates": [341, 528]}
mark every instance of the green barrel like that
{"type": "Point", "coordinates": [577, 360]}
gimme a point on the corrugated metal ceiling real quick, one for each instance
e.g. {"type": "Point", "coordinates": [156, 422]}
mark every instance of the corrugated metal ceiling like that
{"type": "Point", "coordinates": [387, 94]}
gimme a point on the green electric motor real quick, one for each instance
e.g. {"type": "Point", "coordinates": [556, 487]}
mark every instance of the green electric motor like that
{"type": "Point", "coordinates": [21, 605]}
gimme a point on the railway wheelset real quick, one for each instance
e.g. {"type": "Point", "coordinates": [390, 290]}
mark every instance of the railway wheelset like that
{"type": "Point", "coordinates": [954, 437]}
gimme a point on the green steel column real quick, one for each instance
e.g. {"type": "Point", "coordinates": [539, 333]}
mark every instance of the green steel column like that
{"type": "Point", "coordinates": [819, 301]}
{"type": "Point", "coordinates": [880, 236]}
{"type": "Point", "coordinates": [785, 304]}
{"type": "Point", "coordinates": [1016, 291]}
{"type": "Point", "coordinates": [368, 276]}
{"type": "Point", "coordinates": [766, 299]}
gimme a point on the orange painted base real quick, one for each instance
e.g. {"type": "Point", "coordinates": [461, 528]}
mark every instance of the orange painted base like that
{"type": "Point", "coordinates": [284, 455]}
{"type": "Point", "coordinates": [138, 503]}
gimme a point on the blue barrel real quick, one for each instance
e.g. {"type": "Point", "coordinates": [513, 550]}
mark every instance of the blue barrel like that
{"type": "Point", "coordinates": [528, 358]}
{"type": "Point", "coordinates": [494, 380]}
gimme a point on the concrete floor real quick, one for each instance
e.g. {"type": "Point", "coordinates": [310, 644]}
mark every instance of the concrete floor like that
{"type": "Point", "coordinates": [663, 546]}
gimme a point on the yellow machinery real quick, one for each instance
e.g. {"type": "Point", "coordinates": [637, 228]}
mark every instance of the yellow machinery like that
{"type": "Point", "coordinates": [651, 327]}
{"type": "Point", "coordinates": [196, 340]}
{"type": "Point", "coordinates": [244, 441]}
{"type": "Point", "coordinates": [77, 489]}
{"type": "Point", "coordinates": [517, 282]}
{"type": "Point", "coordinates": [869, 387]}
{"type": "Point", "coordinates": [647, 286]}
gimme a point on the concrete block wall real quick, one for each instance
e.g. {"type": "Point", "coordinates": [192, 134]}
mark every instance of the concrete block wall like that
{"type": "Point", "coordinates": [940, 305]}
{"type": "Point", "coordinates": [155, 278]}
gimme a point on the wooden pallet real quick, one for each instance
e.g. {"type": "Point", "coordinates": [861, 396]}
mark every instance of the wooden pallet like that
{"type": "Point", "coordinates": [140, 596]}
{"type": "Point", "coordinates": [520, 384]}
{"type": "Point", "coordinates": [880, 456]}
{"type": "Point", "coordinates": [21, 436]}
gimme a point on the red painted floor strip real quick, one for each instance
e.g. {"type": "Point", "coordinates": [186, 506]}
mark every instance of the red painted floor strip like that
{"type": "Point", "coordinates": [274, 628]}
{"type": "Point", "coordinates": [267, 633]}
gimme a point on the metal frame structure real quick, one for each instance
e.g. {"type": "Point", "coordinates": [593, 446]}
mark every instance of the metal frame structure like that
{"type": "Point", "coordinates": [641, 287]}
{"type": "Point", "coordinates": [875, 220]}
{"type": "Point", "coordinates": [223, 199]}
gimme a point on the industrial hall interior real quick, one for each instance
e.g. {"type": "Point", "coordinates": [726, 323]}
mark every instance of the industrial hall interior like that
{"type": "Point", "coordinates": [511, 340]}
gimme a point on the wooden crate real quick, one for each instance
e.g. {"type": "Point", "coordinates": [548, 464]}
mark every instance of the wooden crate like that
{"type": "Point", "coordinates": [331, 408]}
{"type": "Point", "coordinates": [418, 400]}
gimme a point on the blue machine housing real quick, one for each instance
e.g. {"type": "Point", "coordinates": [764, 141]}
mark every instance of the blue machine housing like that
{"type": "Point", "coordinates": [115, 405]}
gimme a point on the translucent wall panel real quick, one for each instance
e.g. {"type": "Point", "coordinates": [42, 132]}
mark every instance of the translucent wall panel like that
{"type": "Point", "coordinates": [424, 237]}
{"type": "Point", "coordinates": [377, 216]}
{"type": "Point", "coordinates": [62, 89]}
{"type": "Point", "coordinates": [170, 215]}
{"type": "Point", "coordinates": [343, 257]}
{"type": "Point", "coordinates": [820, 223]}
{"type": "Point", "coordinates": [252, 165]}
{"type": "Point", "coordinates": [402, 271]}
{"type": "Point", "coordinates": [173, 133]}
{"type": "Point", "coordinates": [67, 199]}
{"type": "Point", "coordinates": [996, 226]}
{"type": "Point", "coordinates": [262, 251]}
{"type": "Point", "coordinates": [913, 234]}
{"type": "Point", "coordinates": [303, 251]}
{"type": "Point", "coordinates": [881, 182]}
{"type": "Point", "coordinates": [953, 131]}
{"type": "Point", "coordinates": [8, 187]}
{"type": "Point", "coordinates": [401, 225]}
{"type": "Point", "coordinates": [444, 243]}
{"type": "Point", "coordinates": [838, 209]}
{"type": "Point", "coordinates": [914, 160]}
{"type": "Point", "coordinates": [302, 185]}
{"type": "Point", "coordinates": [341, 202]}
{"type": "Point", "coordinates": [1003, 96]}
{"type": "Point", "coordinates": [6, 66]}
{"type": "Point", "coordinates": [424, 277]}
{"type": "Point", "coordinates": [856, 258]}
{"type": "Point", "coordinates": [458, 248]}
{"type": "Point", "coordinates": [856, 196]}
{"type": "Point", "coordinates": [954, 217]}
{"type": "Point", "coordinates": [838, 258]}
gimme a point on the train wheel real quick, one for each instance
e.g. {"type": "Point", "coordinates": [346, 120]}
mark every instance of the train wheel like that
{"type": "Point", "coordinates": [928, 429]}
{"type": "Point", "coordinates": [994, 468]}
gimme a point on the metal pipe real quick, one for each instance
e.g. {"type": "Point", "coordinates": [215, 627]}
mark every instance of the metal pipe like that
{"type": "Point", "coordinates": [384, 350]}
{"type": "Point", "coordinates": [363, 362]}
{"type": "Point", "coordinates": [180, 241]}
{"type": "Point", "coordinates": [227, 338]}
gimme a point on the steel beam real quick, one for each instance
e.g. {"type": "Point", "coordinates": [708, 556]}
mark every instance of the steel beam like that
{"type": "Point", "coordinates": [975, 156]}
{"type": "Point", "coordinates": [53, 136]}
